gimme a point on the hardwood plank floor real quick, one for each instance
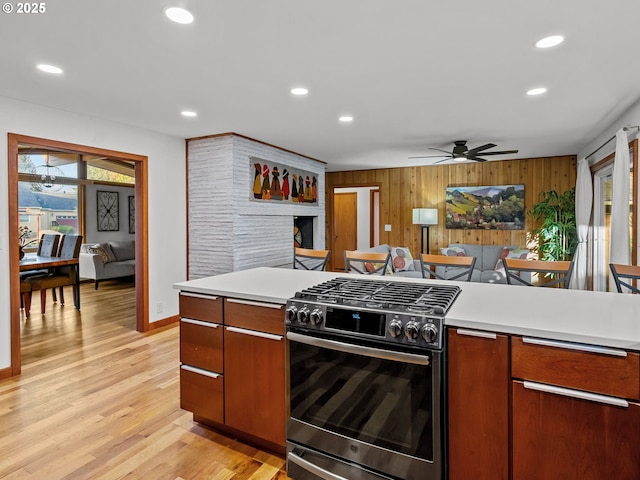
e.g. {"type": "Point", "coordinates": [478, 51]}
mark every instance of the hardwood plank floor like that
{"type": "Point", "coordinates": [98, 400]}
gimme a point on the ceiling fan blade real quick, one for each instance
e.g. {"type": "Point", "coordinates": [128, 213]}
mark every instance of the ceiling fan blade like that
{"type": "Point", "coordinates": [432, 156]}
{"type": "Point", "coordinates": [440, 150]}
{"type": "Point", "coordinates": [505, 152]}
{"type": "Point", "coordinates": [473, 151]}
{"type": "Point", "coordinates": [476, 159]}
{"type": "Point", "coordinates": [443, 160]}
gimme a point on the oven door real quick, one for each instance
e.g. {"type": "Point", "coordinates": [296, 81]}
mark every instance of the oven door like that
{"type": "Point", "coordinates": [378, 408]}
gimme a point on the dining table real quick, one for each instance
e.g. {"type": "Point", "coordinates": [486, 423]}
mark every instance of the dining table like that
{"type": "Point", "coordinates": [36, 262]}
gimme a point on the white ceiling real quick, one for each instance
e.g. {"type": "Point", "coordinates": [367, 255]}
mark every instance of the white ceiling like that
{"type": "Point", "coordinates": [413, 73]}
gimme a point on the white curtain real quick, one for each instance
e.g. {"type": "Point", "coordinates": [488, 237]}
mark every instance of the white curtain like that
{"type": "Point", "coordinates": [619, 246]}
{"type": "Point", "coordinates": [584, 199]}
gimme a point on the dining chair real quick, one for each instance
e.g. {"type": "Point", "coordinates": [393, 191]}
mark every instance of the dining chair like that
{"type": "Point", "coordinates": [61, 276]}
{"type": "Point", "coordinates": [367, 263]}
{"type": "Point", "coordinates": [25, 297]}
{"type": "Point", "coordinates": [309, 259]}
{"type": "Point", "coordinates": [623, 274]}
{"type": "Point", "coordinates": [48, 245]}
{"type": "Point", "coordinates": [559, 272]}
{"type": "Point", "coordinates": [455, 268]}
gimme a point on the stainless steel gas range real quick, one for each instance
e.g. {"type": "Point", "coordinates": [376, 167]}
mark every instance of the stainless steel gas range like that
{"type": "Point", "coordinates": [366, 375]}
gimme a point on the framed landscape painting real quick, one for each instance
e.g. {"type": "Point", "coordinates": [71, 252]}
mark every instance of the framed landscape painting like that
{"type": "Point", "coordinates": [497, 207]}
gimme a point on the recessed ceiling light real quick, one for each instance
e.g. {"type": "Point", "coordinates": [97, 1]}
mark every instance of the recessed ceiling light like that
{"type": "Point", "coordinates": [550, 41]}
{"type": "Point", "coordinates": [179, 15]}
{"type": "Point", "coordinates": [299, 91]}
{"type": "Point", "coordinates": [189, 113]}
{"type": "Point", "coordinates": [537, 91]}
{"type": "Point", "coordinates": [346, 118]}
{"type": "Point", "coordinates": [49, 68]}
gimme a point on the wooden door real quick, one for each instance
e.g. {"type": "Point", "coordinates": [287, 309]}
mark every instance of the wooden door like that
{"type": "Point", "coordinates": [478, 369]}
{"type": "Point", "coordinates": [345, 227]}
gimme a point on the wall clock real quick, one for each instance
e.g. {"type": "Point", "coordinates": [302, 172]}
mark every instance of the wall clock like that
{"type": "Point", "coordinates": [108, 211]}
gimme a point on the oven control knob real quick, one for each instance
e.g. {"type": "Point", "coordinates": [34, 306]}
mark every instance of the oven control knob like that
{"type": "Point", "coordinates": [412, 330]}
{"type": "Point", "coordinates": [292, 313]}
{"type": "Point", "coordinates": [316, 316]}
{"type": "Point", "coordinates": [395, 328]}
{"type": "Point", "coordinates": [303, 315]}
{"type": "Point", "coordinates": [429, 333]}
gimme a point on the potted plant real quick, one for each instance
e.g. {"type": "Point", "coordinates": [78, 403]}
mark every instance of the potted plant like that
{"type": "Point", "coordinates": [23, 237]}
{"type": "Point", "coordinates": [555, 238]}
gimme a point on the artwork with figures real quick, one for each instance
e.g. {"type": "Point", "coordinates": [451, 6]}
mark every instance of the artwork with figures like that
{"type": "Point", "coordinates": [495, 207]}
{"type": "Point", "coordinates": [275, 182]}
{"type": "Point", "coordinates": [108, 211]}
{"type": "Point", "coordinates": [132, 214]}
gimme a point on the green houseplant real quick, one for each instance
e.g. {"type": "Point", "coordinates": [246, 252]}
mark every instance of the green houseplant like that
{"type": "Point", "coordinates": [555, 236]}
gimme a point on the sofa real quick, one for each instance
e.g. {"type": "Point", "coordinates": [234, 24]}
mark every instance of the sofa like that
{"type": "Point", "coordinates": [402, 262]}
{"type": "Point", "coordinates": [488, 267]}
{"type": "Point", "coordinates": [106, 261]}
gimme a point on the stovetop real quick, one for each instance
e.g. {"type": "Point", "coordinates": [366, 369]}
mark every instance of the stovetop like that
{"type": "Point", "coordinates": [410, 297]}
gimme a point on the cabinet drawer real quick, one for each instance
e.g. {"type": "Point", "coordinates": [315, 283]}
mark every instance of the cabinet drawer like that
{"type": "Point", "coordinates": [201, 344]}
{"type": "Point", "coordinates": [600, 370]}
{"type": "Point", "coordinates": [202, 393]}
{"type": "Point", "coordinates": [201, 307]}
{"type": "Point", "coordinates": [261, 316]}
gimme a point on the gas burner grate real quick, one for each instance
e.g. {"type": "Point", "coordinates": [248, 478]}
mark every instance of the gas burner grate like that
{"type": "Point", "coordinates": [409, 296]}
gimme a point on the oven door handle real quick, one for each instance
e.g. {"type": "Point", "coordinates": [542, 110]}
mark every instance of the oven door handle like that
{"type": "Point", "coordinates": [312, 468]}
{"type": "Point", "coordinates": [359, 349]}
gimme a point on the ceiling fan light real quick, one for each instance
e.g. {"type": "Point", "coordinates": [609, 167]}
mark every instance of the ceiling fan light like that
{"type": "Point", "coordinates": [461, 158]}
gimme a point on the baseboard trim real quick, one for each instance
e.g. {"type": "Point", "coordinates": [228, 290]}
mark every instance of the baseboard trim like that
{"type": "Point", "coordinates": [5, 373]}
{"type": "Point", "coordinates": [164, 322]}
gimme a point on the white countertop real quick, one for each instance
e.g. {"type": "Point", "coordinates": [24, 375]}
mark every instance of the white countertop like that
{"type": "Point", "coordinates": [605, 319]}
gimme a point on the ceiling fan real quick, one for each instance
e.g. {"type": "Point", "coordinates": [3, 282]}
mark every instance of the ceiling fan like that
{"type": "Point", "coordinates": [461, 152]}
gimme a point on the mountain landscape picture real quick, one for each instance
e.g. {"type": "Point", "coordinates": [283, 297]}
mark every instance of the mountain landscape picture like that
{"type": "Point", "coordinates": [497, 207]}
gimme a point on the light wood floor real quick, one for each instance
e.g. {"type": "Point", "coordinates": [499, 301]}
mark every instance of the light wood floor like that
{"type": "Point", "coordinates": [98, 400]}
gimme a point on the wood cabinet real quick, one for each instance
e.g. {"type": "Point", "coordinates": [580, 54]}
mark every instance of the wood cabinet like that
{"type": "Point", "coordinates": [233, 371]}
{"type": "Point", "coordinates": [255, 392]}
{"type": "Point", "coordinates": [575, 411]}
{"type": "Point", "coordinates": [201, 372]}
{"type": "Point", "coordinates": [478, 404]}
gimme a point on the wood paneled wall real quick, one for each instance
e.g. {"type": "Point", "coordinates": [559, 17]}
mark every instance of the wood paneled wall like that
{"type": "Point", "coordinates": [402, 189]}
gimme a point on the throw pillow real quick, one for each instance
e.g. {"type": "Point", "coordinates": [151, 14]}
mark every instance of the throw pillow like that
{"type": "Point", "coordinates": [371, 267]}
{"type": "Point", "coordinates": [503, 254]}
{"type": "Point", "coordinates": [401, 259]}
{"type": "Point", "coordinates": [453, 251]}
{"type": "Point", "coordinates": [98, 250]}
{"type": "Point", "coordinates": [520, 253]}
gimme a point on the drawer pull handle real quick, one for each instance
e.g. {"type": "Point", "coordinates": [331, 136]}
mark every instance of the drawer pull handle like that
{"type": "Point", "coordinates": [476, 333]}
{"type": "Point", "coordinates": [255, 304]}
{"type": "Point", "coordinates": [567, 392]}
{"type": "Point", "coordinates": [198, 295]}
{"type": "Point", "coordinates": [200, 323]}
{"type": "Point", "coordinates": [199, 371]}
{"type": "Point", "coordinates": [575, 346]}
{"type": "Point", "coordinates": [253, 333]}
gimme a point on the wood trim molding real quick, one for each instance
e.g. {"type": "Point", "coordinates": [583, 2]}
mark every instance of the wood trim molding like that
{"type": "Point", "coordinates": [163, 323]}
{"type": "Point", "coordinates": [141, 193]}
{"type": "Point", "coordinates": [5, 373]}
{"type": "Point", "coordinates": [233, 134]}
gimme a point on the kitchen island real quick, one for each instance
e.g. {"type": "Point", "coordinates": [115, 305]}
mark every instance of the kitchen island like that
{"type": "Point", "coordinates": [598, 318]}
{"type": "Point", "coordinates": [542, 383]}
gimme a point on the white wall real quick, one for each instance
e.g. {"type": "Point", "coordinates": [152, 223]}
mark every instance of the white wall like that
{"type": "Point", "coordinates": [166, 195]}
{"type": "Point", "coordinates": [92, 235]}
{"type": "Point", "coordinates": [364, 213]}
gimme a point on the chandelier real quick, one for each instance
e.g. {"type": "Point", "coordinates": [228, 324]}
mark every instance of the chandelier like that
{"type": "Point", "coordinates": [43, 178]}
